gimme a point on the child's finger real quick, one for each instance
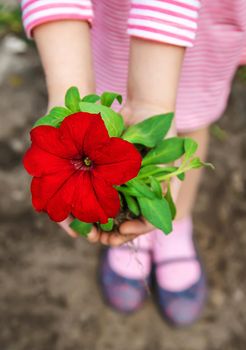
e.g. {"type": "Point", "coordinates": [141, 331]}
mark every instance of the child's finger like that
{"type": "Point", "coordinates": [94, 235]}
{"type": "Point", "coordinates": [104, 239]}
{"type": "Point", "coordinates": [136, 227]}
{"type": "Point", "coordinates": [116, 239]}
{"type": "Point", "coordinates": [65, 225]}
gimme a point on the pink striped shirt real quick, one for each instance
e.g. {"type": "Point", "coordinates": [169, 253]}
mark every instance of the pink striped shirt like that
{"type": "Point", "coordinates": [170, 21]}
{"type": "Point", "coordinates": [208, 66]}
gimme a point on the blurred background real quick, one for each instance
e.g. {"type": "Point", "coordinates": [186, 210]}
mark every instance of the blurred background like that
{"type": "Point", "coordinates": [49, 296]}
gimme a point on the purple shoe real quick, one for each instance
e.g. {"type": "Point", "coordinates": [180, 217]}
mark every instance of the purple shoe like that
{"type": "Point", "coordinates": [124, 294]}
{"type": "Point", "coordinates": [182, 308]}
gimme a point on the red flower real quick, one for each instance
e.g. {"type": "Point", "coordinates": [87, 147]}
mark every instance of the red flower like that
{"type": "Point", "coordinates": [75, 167]}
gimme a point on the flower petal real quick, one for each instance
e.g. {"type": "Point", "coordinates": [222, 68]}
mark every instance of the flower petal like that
{"type": "Point", "coordinates": [60, 204]}
{"type": "Point", "coordinates": [86, 206]}
{"type": "Point", "coordinates": [87, 131]}
{"type": "Point", "coordinates": [38, 162]}
{"type": "Point", "coordinates": [49, 139]}
{"type": "Point", "coordinates": [107, 196]}
{"type": "Point", "coordinates": [117, 162]}
{"type": "Point", "coordinates": [88, 198]}
{"type": "Point", "coordinates": [45, 187]}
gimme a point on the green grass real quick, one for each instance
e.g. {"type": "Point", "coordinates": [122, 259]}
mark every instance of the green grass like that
{"type": "Point", "coordinates": [241, 74]}
{"type": "Point", "coordinates": [10, 21]}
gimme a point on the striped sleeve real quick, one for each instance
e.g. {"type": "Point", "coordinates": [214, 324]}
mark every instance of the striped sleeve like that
{"type": "Point", "coordinates": [36, 12]}
{"type": "Point", "coordinates": [169, 21]}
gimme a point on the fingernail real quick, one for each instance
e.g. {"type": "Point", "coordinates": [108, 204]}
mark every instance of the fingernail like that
{"type": "Point", "coordinates": [92, 234]}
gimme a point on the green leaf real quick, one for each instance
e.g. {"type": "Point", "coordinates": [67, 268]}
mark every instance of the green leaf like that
{"type": "Point", "coordinates": [167, 151]}
{"type": "Point", "coordinates": [48, 120]}
{"type": "Point", "coordinates": [113, 121]}
{"type": "Point", "coordinates": [126, 190]}
{"type": "Point", "coordinates": [132, 204]}
{"type": "Point", "coordinates": [217, 131]}
{"type": "Point", "coordinates": [72, 99]}
{"type": "Point", "coordinates": [108, 226]}
{"type": "Point", "coordinates": [60, 112]}
{"type": "Point", "coordinates": [141, 188]}
{"type": "Point", "coordinates": [92, 98]}
{"type": "Point", "coordinates": [196, 163]}
{"type": "Point", "coordinates": [150, 131]}
{"type": "Point", "coordinates": [157, 212]}
{"type": "Point", "coordinates": [170, 201]}
{"type": "Point", "coordinates": [108, 98]}
{"type": "Point", "coordinates": [156, 187]}
{"type": "Point", "coordinates": [83, 228]}
{"type": "Point", "coordinates": [190, 147]}
{"type": "Point", "coordinates": [181, 176]}
{"type": "Point", "coordinates": [150, 170]}
{"type": "Point", "coordinates": [54, 118]}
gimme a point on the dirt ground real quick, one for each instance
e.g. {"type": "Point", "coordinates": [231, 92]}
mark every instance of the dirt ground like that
{"type": "Point", "coordinates": [49, 294]}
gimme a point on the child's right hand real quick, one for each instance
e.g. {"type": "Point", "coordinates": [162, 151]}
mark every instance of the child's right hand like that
{"type": "Point", "coordinates": [94, 236]}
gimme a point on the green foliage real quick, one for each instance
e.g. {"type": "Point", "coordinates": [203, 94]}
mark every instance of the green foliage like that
{"type": "Point", "coordinates": [107, 98]}
{"type": "Point", "coordinates": [92, 98]}
{"type": "Point", "coordinates": [150, 131]}
{"type": "Point", "coordinates": [108, 226]}
{"type": "Point", "coordinates": [241, 74]}
{"type": "Point", "coordinates": [156, 187]}
{"type": "Point", "coordinates": [132, 204]}
{"type": "Point", "coordinates": [190, 147]}
{"type": "Point", "coordinates": [218, 132]}
{"type": "Point", "coordinates": [10, 20]}
{"type": "Point", "coordinates": [127, 190]}
{"type": "Point", "coordinates": [157, 212]}
{"type": "Point", "coordinates": [153, 170]}
{"type": "Point", "coordinates": [170, 201]}
{"type": "Point", "coordinates": [72, 99]}
{"type": "Point", "coordinates": [54, 118]}
{"type": "Point", "coordinates": [167, 151]}
{"type": "Point", "coordinates": [181, 176]}
{"type": "Point", "coordinates": [196, 163]}
{"type": "Point", "coordinates": [142, 190]}
{"type": "Point", "coordinates": [82, 228]}
{"type": "Point", "coordinates": [113, 121]}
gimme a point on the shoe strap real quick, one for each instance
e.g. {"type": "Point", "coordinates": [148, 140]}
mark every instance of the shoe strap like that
{"type": "Point", "coordinates": [176, 260]}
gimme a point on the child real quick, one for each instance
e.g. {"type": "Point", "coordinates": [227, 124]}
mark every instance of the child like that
{"type": "Point", "coordinates": [138, 49]}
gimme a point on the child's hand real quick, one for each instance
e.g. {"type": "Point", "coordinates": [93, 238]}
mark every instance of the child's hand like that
{"type": "Point", "coordinates": [129, 230]}
{"type": "Point", "coordinates": [113, 238]}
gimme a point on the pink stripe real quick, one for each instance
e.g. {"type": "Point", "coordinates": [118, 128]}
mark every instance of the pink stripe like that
{"type": "Point", "coordinates": [30, 2]}
{"type": "Point", "coordinates": [153, 19]}
{"type": "Point", "coordinates": [51, 6]}
{"type": "Point", "coordinates": [185, 6]}
{"type": "Point", "coordinates": [169, 12]}
{"type": "Point", "coordinates": [42, 20]}
{"type": "Point", "coordinates": [159, 31]}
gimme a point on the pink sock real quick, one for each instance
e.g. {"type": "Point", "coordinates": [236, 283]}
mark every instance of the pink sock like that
{"type": "Point", "coordinates": [176, 276]}
{"type": "Point", "coordinates": [132, 260]}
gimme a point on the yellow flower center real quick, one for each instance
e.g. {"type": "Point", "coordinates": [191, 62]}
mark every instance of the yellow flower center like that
{"type": "Point", "coordinates": [87, 161]}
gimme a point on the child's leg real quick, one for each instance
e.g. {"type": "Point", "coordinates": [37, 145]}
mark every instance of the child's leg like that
{"type": "Point", "coordinates": [203, 91]}
{"type": "Point", "coordinates": [181, 275]}
{"type": "Point", "coordinates": [188, 190]}
{"type": "Point", "coordinates": [181, 283]}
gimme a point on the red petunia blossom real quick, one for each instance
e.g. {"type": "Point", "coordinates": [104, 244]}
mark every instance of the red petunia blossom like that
{"type": "Point", "coordinates": [75, 167]}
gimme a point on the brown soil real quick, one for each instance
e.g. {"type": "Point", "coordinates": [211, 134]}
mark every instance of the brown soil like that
{"type": "Point", "coordinates": [49, 292]}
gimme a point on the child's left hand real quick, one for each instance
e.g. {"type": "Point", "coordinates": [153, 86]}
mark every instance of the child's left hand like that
{"type": "Point", "coordinates": [131, 229]}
